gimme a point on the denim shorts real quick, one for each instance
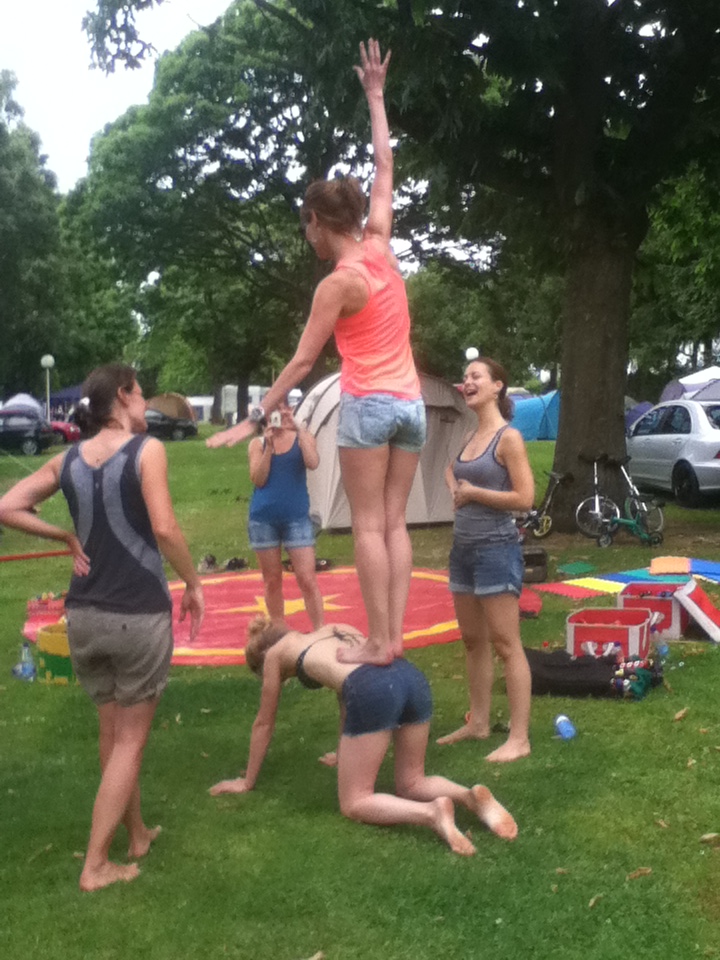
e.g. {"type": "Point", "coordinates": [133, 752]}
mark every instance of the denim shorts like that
{"type": "Point", "coordinates": [379, 418]}
{"type": "Point", "coordinates": [486, 570]}
{"type": "Point", "coordinates": [385, 698]}
{"type": "Point", "coordinates": [264, 535]}
{"type": "Point", "coordinates": [120, 658]}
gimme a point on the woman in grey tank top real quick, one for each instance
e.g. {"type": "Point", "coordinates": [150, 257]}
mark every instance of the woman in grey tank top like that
{"type": "Point", "coordinates": [490, 479]}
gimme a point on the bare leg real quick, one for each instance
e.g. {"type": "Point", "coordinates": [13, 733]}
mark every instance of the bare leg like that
{"type": "Point", "coordinates": [412, 781]}
{"type": "Point", "coordinates": [272, 573]}
{"type": "Point", "coordinates": [378, 483]}
{"type": "Point", "coordinates": [130, 726]}
{"type": "Point", "coordinates": [140, 836]}
{"type": "Point", "coordinates": [359, 760]}
{"type": "Point", "coordinates": [502, 615]}
{"type": "Point", "coordinates": [401, 473]}
{"type": "Point", "coordinates": [479, 662]}
{"type": "Point", "coordinates": [303, 564]}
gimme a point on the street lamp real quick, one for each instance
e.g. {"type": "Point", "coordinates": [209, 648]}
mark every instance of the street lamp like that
{"type": "Point", "coordinates": [472, 353]}
{"type": "Point", "coordinates": [47, 362]}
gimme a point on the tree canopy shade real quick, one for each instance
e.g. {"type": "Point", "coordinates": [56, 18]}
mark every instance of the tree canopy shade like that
{"type": "Point", "coordinates": [552, 123]}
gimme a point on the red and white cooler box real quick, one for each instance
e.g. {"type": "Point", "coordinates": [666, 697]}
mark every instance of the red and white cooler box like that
{"type": "Point", "coordinates": [600, 631]}
{"type": "Point", "coordinates": [672, 618]}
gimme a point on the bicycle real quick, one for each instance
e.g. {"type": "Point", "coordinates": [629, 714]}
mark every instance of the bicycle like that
{"type": "Point", "coordinates": [538, 520]}
{"type": "Point", "coordinates": [599, 518]}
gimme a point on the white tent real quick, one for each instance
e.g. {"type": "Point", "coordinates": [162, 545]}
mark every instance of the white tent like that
{"type": "Point", "coordinates": [686, 387]}
{"type": "Point", "coordinates": [26, 401]}
{"type": "Point", "coordinates": [448, 422]}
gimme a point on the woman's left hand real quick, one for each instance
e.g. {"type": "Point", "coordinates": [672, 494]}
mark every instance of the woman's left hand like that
{"type": "Point", "coordinates": [373, 69]}
{"type": "Point", "coordinates": [81, 561]}
{"type": "Point", "coordinates": [465, 492]}
{"type": "Point", "coordinates": [239, 785]}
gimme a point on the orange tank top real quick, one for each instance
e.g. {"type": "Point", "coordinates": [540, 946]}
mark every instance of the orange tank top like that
{"type": "Point", "coordinates": [375, 342]}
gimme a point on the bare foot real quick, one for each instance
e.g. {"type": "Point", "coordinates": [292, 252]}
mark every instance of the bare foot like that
{"type": "Point", "coordinates": [495, 817]}
{"type": "Point", "coordinates": [328, 759]}
{"type": "Point", "coordinates": [366, 653]}
{"type": "Point", "coordinates": [397, 650]}
{"type": "Point", "coordinates": [444, 826]}
{"type": "Point", "coordinates": [509, 752]}
{"type": "Point", "coordinates": [239, 785]}
{"type": "Point", "coordinates": [468, 732]}
{"type": "Point", "coordinates": [140, 843]}
{"type": "Point", "coordinates": [106, 874]}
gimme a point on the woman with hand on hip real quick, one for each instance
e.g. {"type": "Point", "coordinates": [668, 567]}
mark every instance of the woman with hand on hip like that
{"type": "Point", "coordinates": [118, 607]}
{"type": "Point", "coordinates": [279, 512]}
{"type": "Point", "coordinates": [382, 416]}
{"type": "Point", "coordinates": [490, 479]}
{"type": "Point", "coordinates": [380, 705]}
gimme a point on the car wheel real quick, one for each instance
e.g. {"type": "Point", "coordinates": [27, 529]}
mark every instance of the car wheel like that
{"type": "Point", "coordinates": [30, 447]}
{"type": "Point", "coordinates": [685, 486]}
{"type": "Point", "coordinates": [177, 434]}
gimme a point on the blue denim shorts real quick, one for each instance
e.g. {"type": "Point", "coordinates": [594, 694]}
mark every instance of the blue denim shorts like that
{"type": "Point", "coordinates": [385, 698]}
{"type": "Point", "coordinates": [486, 570]}
{"type": "Point", "coordinates": [380, 418]}
{"type": "Point", "coordinates": [264, 535]}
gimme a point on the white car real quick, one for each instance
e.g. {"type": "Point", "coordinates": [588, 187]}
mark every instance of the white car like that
{"type": "Point", "coordinates": [676, 447]}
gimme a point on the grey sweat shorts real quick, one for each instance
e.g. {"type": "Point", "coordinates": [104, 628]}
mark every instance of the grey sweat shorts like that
{"type": "Point", "coordinates": [120, 657]}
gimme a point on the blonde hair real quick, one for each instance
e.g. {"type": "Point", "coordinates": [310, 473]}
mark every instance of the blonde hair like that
{"type": "Point", "coordinates": [262, 634]}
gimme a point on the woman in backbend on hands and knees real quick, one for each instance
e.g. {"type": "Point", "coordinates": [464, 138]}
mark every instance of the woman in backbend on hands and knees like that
{"type": "Point", "coordinates": [279, 511]}
{"type": "Point", "coordinates": [382, 417]}
{"type": "Point", "coordinates": [380, 705]}
{"type": "Point", "coordinates": [490, 479]}
{"type": "Point", "coordinates": [118, 607]}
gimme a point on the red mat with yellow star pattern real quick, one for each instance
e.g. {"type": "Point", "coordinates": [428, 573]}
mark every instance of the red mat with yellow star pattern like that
{"type": "Point", "coordinates": [233, 599]}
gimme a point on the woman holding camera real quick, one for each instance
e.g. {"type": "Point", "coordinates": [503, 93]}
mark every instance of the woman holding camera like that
{"type": "Point", "coordinates": [279, 511]}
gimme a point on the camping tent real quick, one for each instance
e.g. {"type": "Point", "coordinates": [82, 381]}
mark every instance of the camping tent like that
{"type": "Point", "coordinates": [711, 391]}
{"type": "Point", "coordinates": [686, 387]}
{"type": "Point", "coordinates": [537, 417]}
{"type": "Point", "coordinates": [172, 405]}
{"type": "Point", "coordinates": [448, 422]}
{"type": "Point", "coordinates": [26, 401]}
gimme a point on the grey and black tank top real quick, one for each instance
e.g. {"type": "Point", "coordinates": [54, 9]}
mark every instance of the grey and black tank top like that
{"type": "Point", "coordinates": [475, 522]}
{"type": "Point", "coordinates": [112, 523]}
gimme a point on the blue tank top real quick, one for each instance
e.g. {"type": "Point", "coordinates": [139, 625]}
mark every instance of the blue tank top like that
{"type": "Point", "coordinates": [285, 494]}
{"type": "Point", "coordinates": [475, 522]}
{"type": "Point", "coordinates": [112, 524]}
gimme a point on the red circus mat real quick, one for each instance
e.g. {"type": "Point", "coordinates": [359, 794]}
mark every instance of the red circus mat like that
{"type": "Point", "coordinates": [233, 599]}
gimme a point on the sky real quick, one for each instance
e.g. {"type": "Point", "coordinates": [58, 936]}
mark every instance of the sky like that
{"type": "Point", "coordinates": [65, 101]}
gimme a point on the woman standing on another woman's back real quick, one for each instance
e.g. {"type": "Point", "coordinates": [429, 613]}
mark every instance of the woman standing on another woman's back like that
{"type": "Point", "coordinates": [490, 479]}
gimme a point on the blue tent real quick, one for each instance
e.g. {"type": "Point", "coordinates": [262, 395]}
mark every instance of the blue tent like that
{"type": "Point", "coordinates": [537, 417]}
{"type": "Point", "coordinates": [67, 395]}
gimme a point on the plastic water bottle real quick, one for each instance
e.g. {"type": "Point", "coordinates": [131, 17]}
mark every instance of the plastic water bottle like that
{"type": "Point", "coordinates": [564, 727]}
{"type": "Point", "coordinates": [25, 669]}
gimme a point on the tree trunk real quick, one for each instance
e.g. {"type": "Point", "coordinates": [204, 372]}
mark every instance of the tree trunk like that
{"type": "Point", "coordinates": [594, 368]}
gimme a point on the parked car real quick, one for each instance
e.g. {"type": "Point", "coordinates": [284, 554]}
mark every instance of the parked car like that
{"type": "Point", "coordinates": [65, 432]}
{"type": "Point", "coordinates": [169, 428]}
{"type": "Point", "coordinates": [676, 447]}
{"type": "Point", "coordinates": [24, 430]}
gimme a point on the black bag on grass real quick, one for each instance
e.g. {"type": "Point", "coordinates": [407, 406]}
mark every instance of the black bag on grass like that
{"type": "Point", "coordinates": [558, 672]}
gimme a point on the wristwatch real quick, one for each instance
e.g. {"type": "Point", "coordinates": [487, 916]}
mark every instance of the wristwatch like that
{"type": "Point", "coordinates": [257, 416]}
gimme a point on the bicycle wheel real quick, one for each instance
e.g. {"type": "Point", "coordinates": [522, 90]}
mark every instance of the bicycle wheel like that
{"type": "Point", "coordinates": [653, 515]}
{"type": "Point", "coordinates": [593, 517]}
{"type": "Point", "coordinates": [544, 526]}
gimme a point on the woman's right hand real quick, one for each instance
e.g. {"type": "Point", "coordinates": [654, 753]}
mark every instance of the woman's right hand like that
{"type": "Point", "coordinates": [373, 69]}
{"type": "Point", "coordinates": [81, 561]}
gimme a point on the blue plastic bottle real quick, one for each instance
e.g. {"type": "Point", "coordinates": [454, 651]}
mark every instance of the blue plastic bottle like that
{"type": "Point", "coordinates": [24, 669]}
{"type": "Point", "coordinates": [564, 727]}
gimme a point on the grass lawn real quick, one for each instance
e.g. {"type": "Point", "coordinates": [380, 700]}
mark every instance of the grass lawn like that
{"type": "Point", "coordinates": [280, 875]}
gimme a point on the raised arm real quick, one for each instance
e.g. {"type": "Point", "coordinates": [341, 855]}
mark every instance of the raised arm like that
{"type": "Point", "coordinates": [371, 73]}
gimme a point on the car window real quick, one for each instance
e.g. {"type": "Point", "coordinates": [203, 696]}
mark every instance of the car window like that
{"type": "Point", "coordinates": [677, 420]}
{"type": "Point", "coordinates": [648, 425]}
{"type": "Point", "coordinates": [713, 415]}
